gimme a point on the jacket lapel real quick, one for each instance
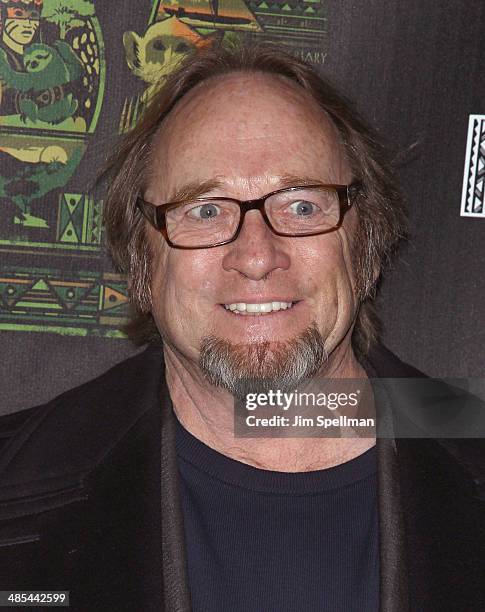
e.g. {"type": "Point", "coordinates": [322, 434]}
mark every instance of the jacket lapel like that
{"type": "Point", "coordinates": [393, 585]}
{"type": "Point", "coordinates": [174, 563]}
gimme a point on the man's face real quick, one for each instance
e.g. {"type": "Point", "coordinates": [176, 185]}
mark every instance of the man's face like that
{"type": "Point", "coordinates": [251, 132]}
{"type": "Point", "coordinates": [21, 25]}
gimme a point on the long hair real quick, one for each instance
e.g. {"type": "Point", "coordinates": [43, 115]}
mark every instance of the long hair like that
{"type": "Point", "coordinates": [380, 210]}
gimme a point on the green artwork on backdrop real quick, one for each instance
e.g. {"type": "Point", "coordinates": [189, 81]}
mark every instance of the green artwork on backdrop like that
{"type": "Point", "coordinates": [52, 74]}
{"type": "Point", "coordinates": [176, 27]}
{"type": "Point", "coordinates": [54, 276]}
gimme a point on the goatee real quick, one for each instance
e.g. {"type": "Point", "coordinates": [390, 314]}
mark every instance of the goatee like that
{"type": "Point", "coordinates": [258, 367]}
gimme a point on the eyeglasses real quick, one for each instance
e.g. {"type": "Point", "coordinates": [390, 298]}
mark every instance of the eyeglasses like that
{"type": "Point", "coordinates": [213, 221]}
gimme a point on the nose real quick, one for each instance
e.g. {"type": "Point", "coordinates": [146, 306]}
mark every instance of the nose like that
{"type": "Point", "coordinates": [257, 251]}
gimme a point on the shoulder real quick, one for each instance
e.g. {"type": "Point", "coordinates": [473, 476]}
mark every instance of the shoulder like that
{"type": "Point", "coordinates": [383, 363]}
{"type": "Point", "coordinates": [73, 432]}
{"type": "Point", "coordinates": [439, 427]}
{"type": "Point", "coordinates": [79, 482]}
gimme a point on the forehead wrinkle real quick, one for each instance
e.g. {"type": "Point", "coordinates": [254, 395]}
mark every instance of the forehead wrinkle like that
{"type": "Point", "coordinates": [199, 100]}
{"type": "Point", "coordinates": [280, 181]}
{"type": "Point", "coordinates": [202, 102]}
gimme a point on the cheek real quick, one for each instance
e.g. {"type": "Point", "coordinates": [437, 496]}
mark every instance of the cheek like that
{"type": "Point", "coordinates": [346, 276]}
{"type": "Point", "coordinates": [171, 294]}
{"type": "Point", "coordinates": [332, 277]}
{"type": "Point", "coordinates": [331, 258]}
{"type": "Point", "coordinates": [163, 286]}
{"type": "Point", "coordinates": [183, 283]}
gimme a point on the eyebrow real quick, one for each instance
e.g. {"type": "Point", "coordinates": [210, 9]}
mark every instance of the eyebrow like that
{"type": "Point", "coordinates": [193, 190]}
{"type": "Point", "coordinates": [292, 180]}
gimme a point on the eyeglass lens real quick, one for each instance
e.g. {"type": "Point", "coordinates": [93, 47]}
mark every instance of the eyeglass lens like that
{"type": "Point", "coordinates": [302, 211]}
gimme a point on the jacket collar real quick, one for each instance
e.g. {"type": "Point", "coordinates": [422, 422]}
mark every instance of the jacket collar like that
{"type": "Point", "coordinates": [174, 563]}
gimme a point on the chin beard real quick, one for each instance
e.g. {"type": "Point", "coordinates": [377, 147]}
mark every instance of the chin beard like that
{"type": "Point", "coordinates": [259, 367]}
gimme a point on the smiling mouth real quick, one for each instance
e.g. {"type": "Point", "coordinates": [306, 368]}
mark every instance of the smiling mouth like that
{"type": "Point", "coordinates": [254, 309]}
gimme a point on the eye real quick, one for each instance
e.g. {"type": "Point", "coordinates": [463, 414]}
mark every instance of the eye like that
{"type": "Point", "coordinates": [303, 208]}
{"type": "Point", "coordinates": [18, 13]}
{"type": "Point", "coordinates": [182, 48]}
{"type": "Point", "coordinates": [204, 211]}
{"type": "Point", "coordinates": [158, 45]}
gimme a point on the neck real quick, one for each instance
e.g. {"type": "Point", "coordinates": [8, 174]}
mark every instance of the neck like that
{"type": "Point", "coordinates": [207, 412]}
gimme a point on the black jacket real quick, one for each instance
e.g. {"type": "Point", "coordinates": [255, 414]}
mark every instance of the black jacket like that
{"type": "Point", "coordinates": [89, 499]}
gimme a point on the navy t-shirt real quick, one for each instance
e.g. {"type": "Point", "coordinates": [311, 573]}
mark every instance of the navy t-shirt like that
{"type": "Point", "coordinates": [265, 541]}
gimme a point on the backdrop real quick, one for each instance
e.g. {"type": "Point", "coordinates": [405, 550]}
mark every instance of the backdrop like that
{"type": "Point", "coordinates": [76, 73]}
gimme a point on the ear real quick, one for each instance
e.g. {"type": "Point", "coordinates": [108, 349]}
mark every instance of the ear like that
{"type": "Point", "coordinates": [131, 43]}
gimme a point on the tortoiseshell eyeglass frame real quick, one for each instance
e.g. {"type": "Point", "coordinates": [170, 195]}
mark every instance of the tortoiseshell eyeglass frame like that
{"type": "Point", "coordinates": [155, 214]}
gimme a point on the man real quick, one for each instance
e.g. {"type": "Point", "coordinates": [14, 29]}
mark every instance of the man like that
{"type": "Point", "coordinates": [253, 213]}
{"type": "Point", "coordinates": [20, 22]}
{"type": "Point", "coordinates": [19, 27]}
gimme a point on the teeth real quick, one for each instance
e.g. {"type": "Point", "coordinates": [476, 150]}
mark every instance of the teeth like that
{"type": "Point", "coordinates": [257, 309]}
